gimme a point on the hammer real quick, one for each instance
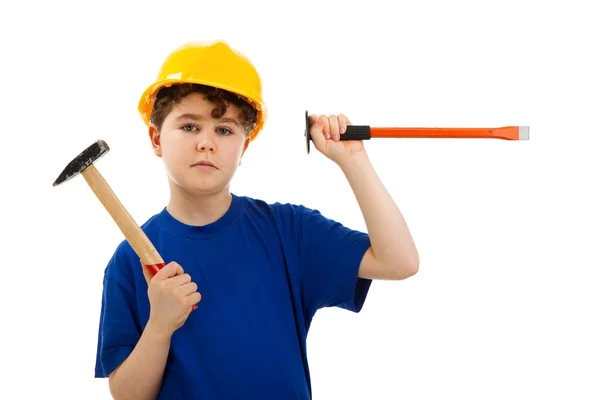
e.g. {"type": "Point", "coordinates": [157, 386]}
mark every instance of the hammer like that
{"type": "Point", "coordinates": [84, 164]}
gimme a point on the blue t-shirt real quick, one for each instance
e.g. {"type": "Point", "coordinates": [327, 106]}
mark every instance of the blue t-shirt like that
{"type": "Point", "coordinates": [263, 271]}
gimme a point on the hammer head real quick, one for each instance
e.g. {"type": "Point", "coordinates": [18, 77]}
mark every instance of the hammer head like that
{"type": "Point", "coordinates": [86, 158]}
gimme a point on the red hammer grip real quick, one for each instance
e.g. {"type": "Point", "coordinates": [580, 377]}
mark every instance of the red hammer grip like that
{"type": "Point", "coordinates": [154, 268]}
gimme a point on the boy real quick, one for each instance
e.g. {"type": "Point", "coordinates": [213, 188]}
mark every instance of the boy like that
{"type": "Point", "coordinates": [256, 272]}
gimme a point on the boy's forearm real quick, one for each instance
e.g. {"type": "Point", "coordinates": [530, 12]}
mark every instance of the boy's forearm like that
{"type": "Point", "coordinates": [391, 240]}
{"type": "Point", "coordinates": [140, 375]}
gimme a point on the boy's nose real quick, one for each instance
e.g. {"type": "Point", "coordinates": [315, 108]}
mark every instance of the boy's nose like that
{"type": "Point", "coordinates": [206, 144]}
{"type": "Point", "coordinates": [206, 147]}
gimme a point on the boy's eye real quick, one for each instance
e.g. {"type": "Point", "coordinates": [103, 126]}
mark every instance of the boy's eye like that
{"type": "Point", "coordinates": [188, 127]}
{"type": "Point", "coordinates": [224, 131]}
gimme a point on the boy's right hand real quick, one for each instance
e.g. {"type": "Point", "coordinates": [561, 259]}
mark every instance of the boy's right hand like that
{"type": "Point", "coordinates": [172, 294]}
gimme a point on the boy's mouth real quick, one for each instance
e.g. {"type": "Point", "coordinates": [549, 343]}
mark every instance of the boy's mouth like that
{"type": "Point", "coordinates": [204, 163]}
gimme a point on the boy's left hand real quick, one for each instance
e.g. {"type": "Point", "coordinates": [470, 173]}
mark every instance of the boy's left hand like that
{"type": "Point", "coordinates": [326, 131]}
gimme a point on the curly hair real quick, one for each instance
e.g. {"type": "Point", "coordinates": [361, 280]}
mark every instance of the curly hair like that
{"type": "Point", "coordinates": [168, 97]}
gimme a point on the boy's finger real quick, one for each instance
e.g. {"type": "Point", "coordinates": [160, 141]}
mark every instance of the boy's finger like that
{"type": "Point", "coordinates": [170, 270]}
{"type": "Point", "coordinates": [319, 130]}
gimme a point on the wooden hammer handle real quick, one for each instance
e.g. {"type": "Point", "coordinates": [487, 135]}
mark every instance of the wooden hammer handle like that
{"type": "Point", "coordinates": [133, 233]}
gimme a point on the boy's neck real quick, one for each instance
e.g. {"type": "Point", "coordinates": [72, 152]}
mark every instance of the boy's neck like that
{"type": "Point", "coordinates": [198, 210]}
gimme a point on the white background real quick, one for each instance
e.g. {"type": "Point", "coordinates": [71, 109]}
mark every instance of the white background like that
{"type": "Point", "coordinates": [505, 305]}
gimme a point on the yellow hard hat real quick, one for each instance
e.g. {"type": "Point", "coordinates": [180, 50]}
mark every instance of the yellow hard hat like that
{"type": "Point", "coordinates": [213, 64]}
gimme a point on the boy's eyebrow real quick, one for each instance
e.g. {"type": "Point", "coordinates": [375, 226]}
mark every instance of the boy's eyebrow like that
{"type": "Point", "coordinates": [197, 117]}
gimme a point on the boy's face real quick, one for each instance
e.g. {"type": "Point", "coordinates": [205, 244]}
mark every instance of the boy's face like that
{"type": "Point", "coordinates": [190, 135]}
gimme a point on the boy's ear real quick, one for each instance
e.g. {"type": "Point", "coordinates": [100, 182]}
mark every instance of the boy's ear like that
{"type": "Point", "coordinates": [155, 139]}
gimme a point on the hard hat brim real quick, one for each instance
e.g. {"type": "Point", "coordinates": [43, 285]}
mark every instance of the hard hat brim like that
{"type": "Point", "coordinates": [146, 102]}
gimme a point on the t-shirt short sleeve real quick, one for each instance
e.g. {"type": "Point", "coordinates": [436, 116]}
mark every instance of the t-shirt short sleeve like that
{"type": "Point", "coordinates": [330, 255]}
{"type": "Point", "coordinates": [119, 329]}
